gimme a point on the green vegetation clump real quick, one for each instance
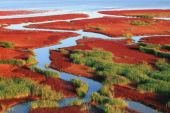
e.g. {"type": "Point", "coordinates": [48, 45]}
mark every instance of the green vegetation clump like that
{"type": "Point", "coordinates": [143, 16]}
{"type": "Point", "coordinates": [47, 65]}
{"type": "Point", "coordinates": [44, 104]}
{"type": "Point", "coordinates": [75, 102]}
{"type": "Point", "coordinates": [116, 79]}
{"type": "Point", "coordinates": [168, 105]}
{"type": "Point", "coordinates": [32, 51]}
{"type": "Point", "coordinates": [154, 49]}
{"type": "Point", "coordinates": [96, 97]}
{"type": "Point", "coordinates": [83, 87]}
{"type": "Point", "coordinates": [139, 23]}
{"type": "Point", "coordinates": [110, 109]}
{"type": "Point", "coordinates": [21, 87]}
{"type": "Point", "coordinates": [13, 62]}
{"type": "Point", "coordinates": [98, 49]}
{"type": "Point", "coordinates": [130, 29]}
{"type": "Point", "coordinates": [32, 60]}
{"type": "Point", "coordinates": [100, 28]}
{"type": "Point", "coordinates": [85, 37]}
{"type": "Point", "coordinates": [48, 73]}
{"type": "Point", "coordinates": [28, 38]}
{"type": "Point", "coordinates": [7, 44]}
{"type": "Point", "coordinates": [106, 90]}
{"type": "Point", "coordinates": [94, 53]}
{"type": "Point", "coordinates": [128, 36]}
{"type": "Point", "coordinates": [64, 51]}
{"type": "Point", "coordinates": [85, 107]}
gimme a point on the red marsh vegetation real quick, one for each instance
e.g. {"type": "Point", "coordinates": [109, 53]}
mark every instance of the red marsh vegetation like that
{"type": "Point", "coordinates": [113, 26]}
{"type": "Point", "coordinates": [41, 18]}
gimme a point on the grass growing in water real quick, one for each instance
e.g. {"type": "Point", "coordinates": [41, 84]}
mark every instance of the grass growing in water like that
{"type": "Point", "coordinates": [44, 104]}
{"type": "Point", "coordinates": [75, 102]}
{"type": "Point", "coordinates": [48, 73]}
{"type": "Point", "coordinates": [82, 87]}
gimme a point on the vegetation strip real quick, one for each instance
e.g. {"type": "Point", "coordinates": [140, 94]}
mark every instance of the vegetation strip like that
{"type": "Point", "coordinates": [82, 87]}
{"type": "Point", "coordinates": [48, 73]}
{"type": "Point", "coordinates": [44, 104]}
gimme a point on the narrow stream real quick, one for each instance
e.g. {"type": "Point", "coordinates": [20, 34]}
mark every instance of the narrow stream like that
{"type": "Point", "coordinates": [43, 58]}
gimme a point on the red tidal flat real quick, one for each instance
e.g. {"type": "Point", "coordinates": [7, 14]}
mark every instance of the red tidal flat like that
{"type": "Point", "coordinates": [23, 12]}
{"type": "Point", "coordinates": [154, 12]}
{"type": "Point", "coordinates": [158, 101]}
{"type": "Point", "coordinates": [59, 85]}
{"type": "Point", "coordinates": [162, 40]}
{"type": "Point", "coordinates": [41, 18]}
{"type": "Point", "coordinates": [33, 39]}
{"type": "Point", "coordinates": [60, 60]}
{"type": "Point", "coordinates": [112, 26]}
{"type": "Point", "coordinates": [7, 54]}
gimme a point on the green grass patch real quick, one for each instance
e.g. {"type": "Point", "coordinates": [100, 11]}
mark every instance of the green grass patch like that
{"type": "Point", "coordinates": [139, 23]}
{"type": "Point", "coordinates": [48, 73]}
{"type": "Point", "coordinates": [7, 44]}
{"type": "Point", "coordinates": [44, 104]}
{"type": "Point", "coordinates": [82, 87]}
{"type": "Point", "coordinates": [144, 16]}
{"type": "Point", "coordinates": [32, 60]}
{"type": "Point", "coordinates": [75, 102]}
{"type": "Point", "coordinates": [94, 53]}
{"type": "Point", "coordinates": [98, 49]}
{"type": "Point", "coordinates": [13, 62]}
{"type": "Point", "coordinates": [22, 87]}
{"type": "Point", "coordinates": [28, 38]}
{"type": "Point", "coordinates": [85, 107]}
{"type": "Point", "coordinates": [106, 90]}
{"type": "Point", "coordinates": [116, 79]}
{"type": "Point", "coordinates": [128, 36]}
{"type": "Point", "coordinates": [96, 97]}
{"type": "Point", "coordinates": [64, 51]}
{"type": "Point", "coordinates": [47, 65]}
{"type": "Point", "coordinates": [85, 37]}
{"type": "Point", "coordinates": [100, 28]}
{"type": "Point", "coordinates": [32, 51]}
{"type": "Point", "coordinates": [168, 105]}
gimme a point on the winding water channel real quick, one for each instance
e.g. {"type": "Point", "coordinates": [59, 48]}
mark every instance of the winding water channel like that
{"type": "Point", "coordinates": [43, 58]}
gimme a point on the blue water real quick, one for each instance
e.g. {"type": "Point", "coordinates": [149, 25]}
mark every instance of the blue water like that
{"type": "Point", "coordinates": [83, 4]}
